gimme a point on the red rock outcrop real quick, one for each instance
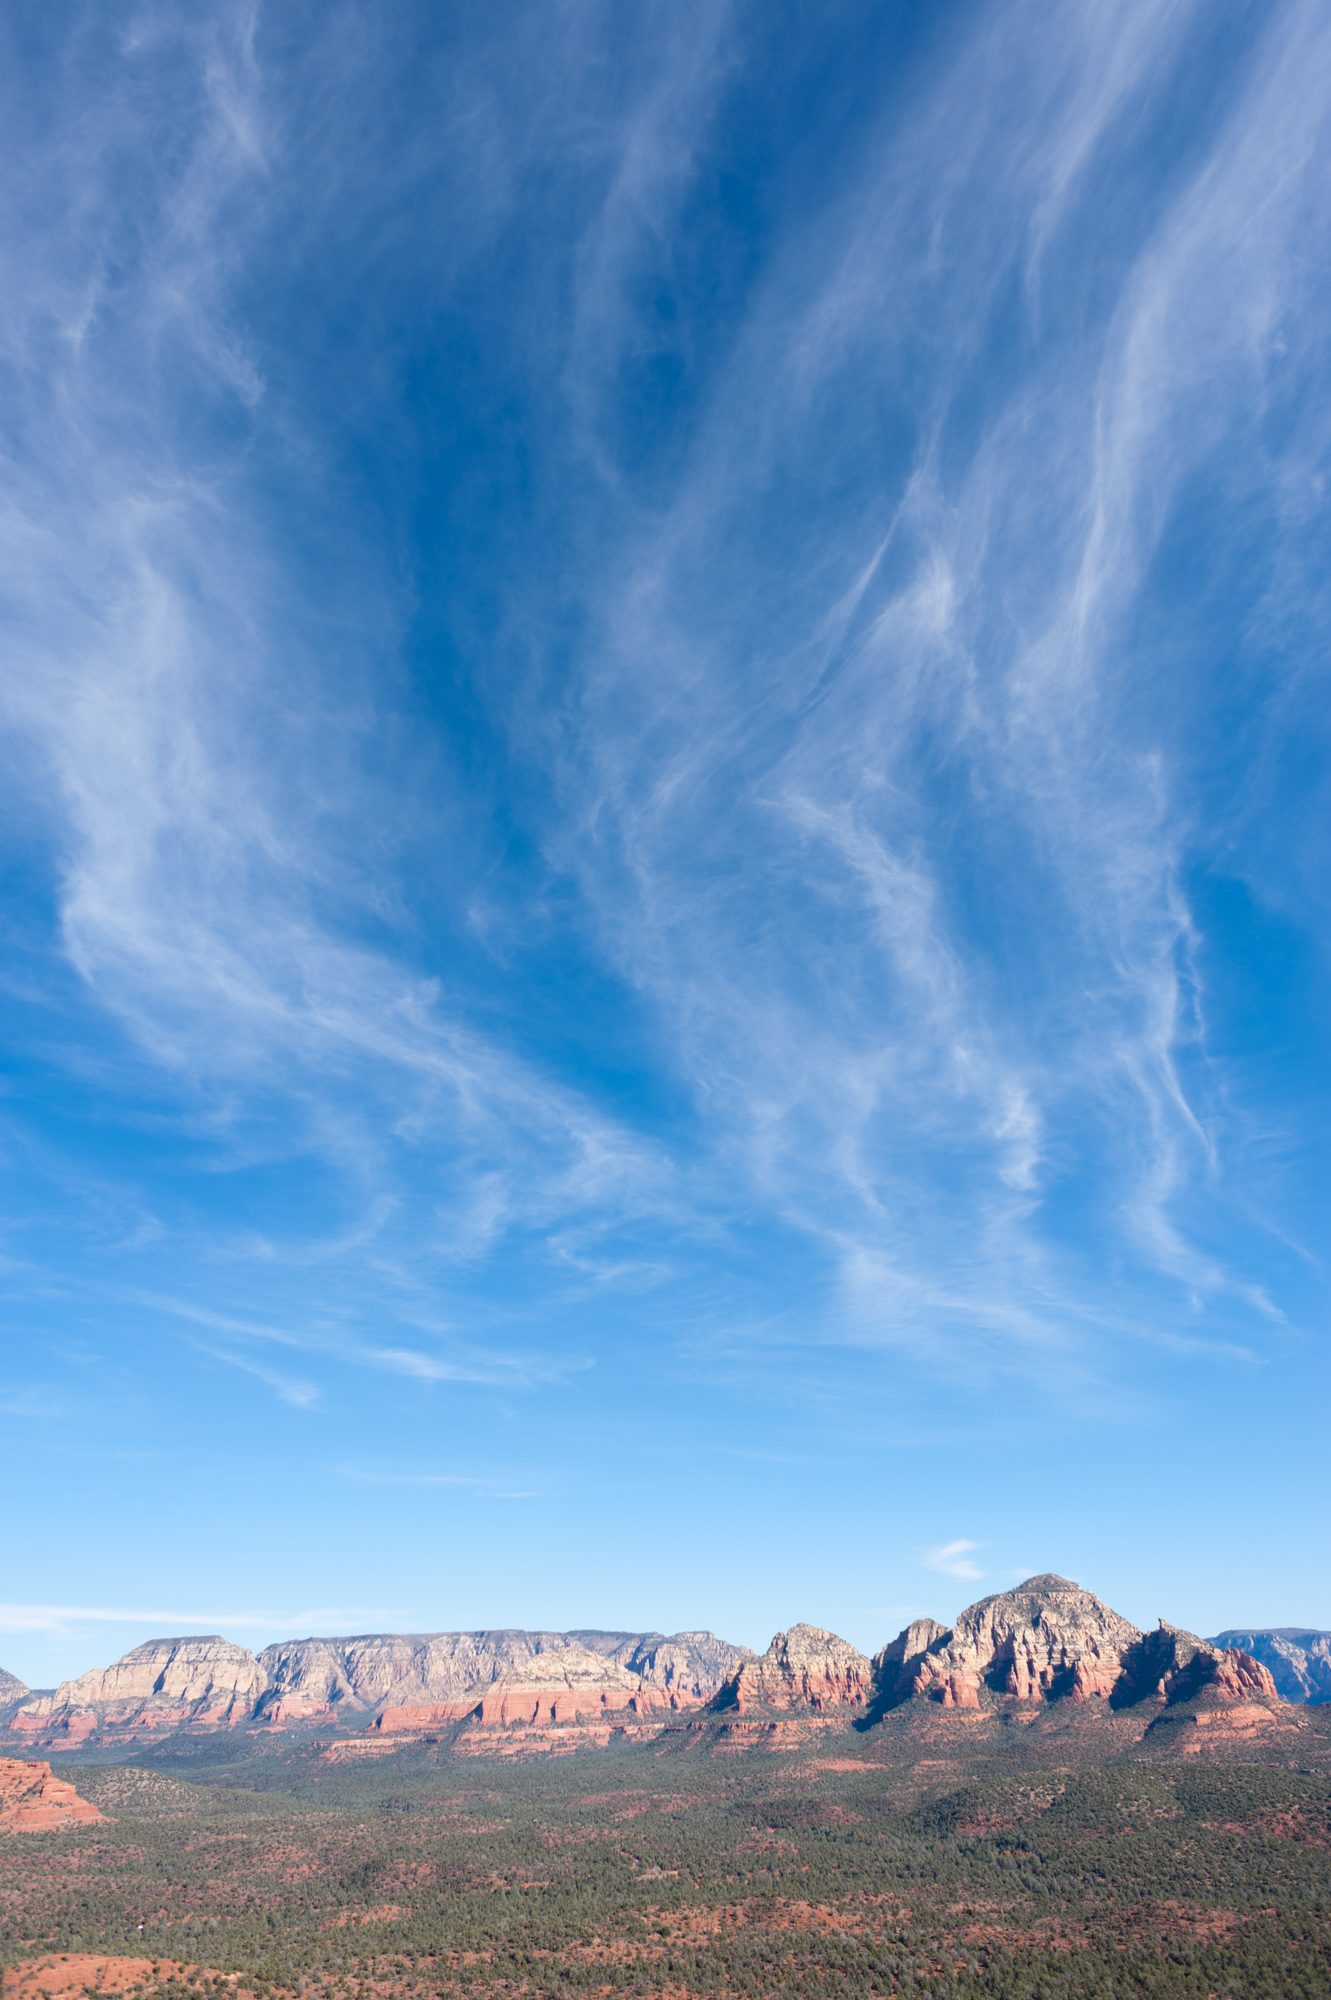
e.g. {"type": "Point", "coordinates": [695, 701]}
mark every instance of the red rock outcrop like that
{"type": "Point", "coordinates": [1049, 1640]}
{"type": "Point", "coordinates": [569, 1685]}
{"type": "Point", "coordinates": [1170, 1665]}
{"type": "Point", "coordinates": [895, 1668]}
{"type": "Point", "coordinates": [1045, 1639]}
{"type": "Point", "coordinates": [381, 1673]}
{"type": "Point", "coordinates": [164, 1685]}
{"type": "Point", "coordinates": [682, 1672]}
{"type": "Point", "coordinates": [804, 1670]}
{"type": "Point", "coordinates": [33, 1801]}
{"type": "Point", "coordinates": [1298, 1659]}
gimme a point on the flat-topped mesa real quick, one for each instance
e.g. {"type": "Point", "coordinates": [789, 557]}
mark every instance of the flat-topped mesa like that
{"type": "Point", "coordinates": [382, 1673]}
{"type": "Point", "coordinates": [32, 1801]}
{"type": "Point", "coordinates": [379, 1671]}
{"type": "Point", "coordinates": [564, 1685]}
{"type": "Point", "coordinates": [317, 1677]}
{"type": "Point", "coordinates": [803, 1670]}
{"type": "Point", "coordinates": [164, 1684]}
{"type": "Point", "coordinates": [1298, 1658]}
{"type": "Point", "coordinates": [1046, 1638]}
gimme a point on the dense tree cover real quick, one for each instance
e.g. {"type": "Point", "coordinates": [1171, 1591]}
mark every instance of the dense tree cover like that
{"type": "Point", "coordinates": [642, 1874]}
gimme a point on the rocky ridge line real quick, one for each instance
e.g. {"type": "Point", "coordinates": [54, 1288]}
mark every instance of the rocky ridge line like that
{"type": "Point", "coordinates": [1297, 1658]}
{"type": "Point", "coordinates": [1043, 1642]}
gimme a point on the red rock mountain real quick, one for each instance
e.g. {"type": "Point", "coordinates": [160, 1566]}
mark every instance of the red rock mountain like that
{"type": "Point", "coordinates": [805, 1668]}
{"type": "Point", "coordinates": [1299, 1660]}
{"type": "Point", "coordinates": [399, 1682]}
{"type": "Point", "coordinates": [1048, 1640]}
{"type": "Point", "coordinates": [163, 1685]}
{"type": "Point", "coordinates": [1045, 1641]}
{"type": "Point", "coordinates": [32, 1801]}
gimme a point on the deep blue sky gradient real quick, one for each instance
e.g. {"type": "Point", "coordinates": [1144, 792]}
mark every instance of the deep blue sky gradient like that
{"type": "Point", "coordinates": [664, 815]}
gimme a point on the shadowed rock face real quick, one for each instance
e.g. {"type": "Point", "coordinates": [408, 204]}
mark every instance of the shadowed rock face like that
{"type": "Point", "coordinates": [685, 1670]}
{"type": "Point", "coordinates": [805, 1669]}
{"type": "Point", "coordinates": [1298, 1660]}
{"type": "Point", "coordinates": [1172, 1665]}
{"type": "Point", "coordinates": [895, 1668]}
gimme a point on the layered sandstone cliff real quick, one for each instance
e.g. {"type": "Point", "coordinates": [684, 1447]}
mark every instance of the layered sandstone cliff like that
{"type": "Point", "coordinates": [1176, 1666]}
{"type": "Point", "coordinates": [684, 1670]}
{"type": "Point", "coordinates": [803, 1670]}
{"type": "Point", "coordinates": [163, 1685]}
{"type": "Point", "coordinates": [1042, 1642]}
{"type": "Point", "coordinates": [1048, 1640]}
{"type": "Point", "coordinates": [567, 1684]}
{"type": "Point", "coordinates": [32, 1801]}
{"type": "Point", "coordinates": [378, 1673]}
{"type": "Point", "coordinates": [1298, 1660]}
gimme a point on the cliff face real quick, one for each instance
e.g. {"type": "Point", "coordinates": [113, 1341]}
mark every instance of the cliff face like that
{"type": "Point", "coordinates": [376, 1674]}
{"type": "Point", "coordinates": [1298, 1660]}
{"type": "Point", "coordinates": [1048, 1640]}
{"type": "Point", "coordinates": [1044, 1641]}
{"type": "Point", "coordinates": [683, 1671]}
{"type": "Point", "coordinates": [165, 1684]}
{"type": "Point", "coordinates": [1172, 1665]}
{"type": "Point", "coordinates": [564, 1685]}
{"type": "Point", "coordinates": [32, 1801]}
{"type": "Point", "coordinates": [12, 1691]}
{"type": "Point", "coordinates": [803, 1670]}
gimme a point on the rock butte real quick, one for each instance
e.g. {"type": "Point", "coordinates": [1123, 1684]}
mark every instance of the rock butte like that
{"type": "Point", "coordinates": [1045, 1642]}
{"type": "Point", "coordinates": [32, 1801]}
{"type": "Point", "coordinates": [1299, 1660]}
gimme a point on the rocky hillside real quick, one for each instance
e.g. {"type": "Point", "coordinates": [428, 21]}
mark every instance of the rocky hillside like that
{"type": "Point", "coordinates": [397, 1681]}
{"type": "Point", "coordinates": [1048, 1640]}
{"type": "Point", "coordinates": [12, 1691]}
{"type": "Point", "coordinates": [1298, 1661]}
{"type": "Point", "coordinates": [685, 1670]}
{"type": "Point", "coordinates": [805, 1668]}
{"type": "Point", "coordinates": [32, 1801]}
{"type": "Point", "coordinates": [1045, 1641]}
{"type": "Point", "coordinates": [163, 1685]}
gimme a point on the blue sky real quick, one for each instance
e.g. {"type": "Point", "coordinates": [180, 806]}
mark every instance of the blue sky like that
{"type": "Point", "coordinates": [664, 814]}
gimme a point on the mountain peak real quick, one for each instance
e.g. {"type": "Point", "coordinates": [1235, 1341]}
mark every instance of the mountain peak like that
{"type": "Point", "coordinates": [805, 1667]}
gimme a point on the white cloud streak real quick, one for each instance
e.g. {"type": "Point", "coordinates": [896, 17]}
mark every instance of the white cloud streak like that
{"type": "Point", "coordinates": [860, 766]}
{"type": "Point", "coordinates": [954, 1559]}
{"type": "Point", "coordinates": [61, 1618]}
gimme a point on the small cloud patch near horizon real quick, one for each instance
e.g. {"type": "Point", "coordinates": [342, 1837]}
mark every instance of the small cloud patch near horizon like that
{"type": "Point", "coordinates": [954, 1559]}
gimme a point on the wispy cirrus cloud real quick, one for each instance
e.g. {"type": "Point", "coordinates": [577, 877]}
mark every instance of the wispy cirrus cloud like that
{"type": "Point", "coordinates": [954, 1559]}
{"type": "Point", "coordinates": [484, 1485]}
{"type": "Point", "coordinates": [59, 1618]}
